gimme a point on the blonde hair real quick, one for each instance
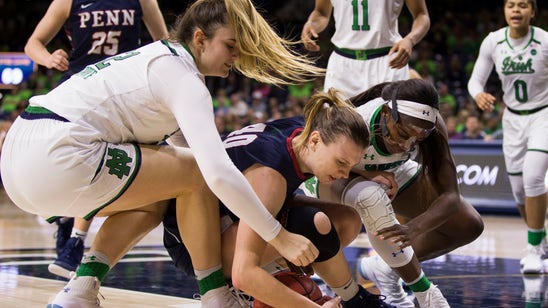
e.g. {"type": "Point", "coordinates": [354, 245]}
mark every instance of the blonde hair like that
{"type": "Point", "coordinates": [264, 56]}
{"type": "Point", "coordinates": [333, 117]}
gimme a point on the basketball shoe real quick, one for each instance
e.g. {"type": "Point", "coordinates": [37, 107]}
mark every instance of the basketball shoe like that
{"type": "Point", "coordinates": [223, 297]}
{"type": "Point", "coordinates": [79, 292]}
{"type": "Point", "coordinates": [64, 228]}
{"type": "Point", "coordinates": [431, 298]}
{"type": "Point", "coordinates": [69, 258]}
{"type": "Point", "coordinates": [386, 279]}
{"type": "Point", "coordinates": [532, 262]}
{"type": "Point", "coordinates": [366, 299]}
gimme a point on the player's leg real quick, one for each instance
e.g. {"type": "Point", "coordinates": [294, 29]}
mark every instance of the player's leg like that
{"type": "Point", "coordinates": [521, 134]}
{"type": "Point", "coordinates": [331, 265]}
{"type": "Point", "coordinates": [535, 166]}
{"type": "Point", "coordinates": [165, 172]}
{"type": "Point", "coordinates": [385, 270]}
{"type": "Point", "coordinates": [464, 226]}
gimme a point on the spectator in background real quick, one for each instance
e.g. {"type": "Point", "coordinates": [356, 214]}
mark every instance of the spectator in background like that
{"type": "Point", "coordinates": [473, 129]}
{"type": "Point", "coordinates": [221, 102]}
{"type": "Point", "coordinates": [446, 98]}
{"type": "Point", "coordinates": [492, 125]}
{"type": "Point", "coordinates": [96, 30]}
{"type": "Point", "coordinates": [451, 125]}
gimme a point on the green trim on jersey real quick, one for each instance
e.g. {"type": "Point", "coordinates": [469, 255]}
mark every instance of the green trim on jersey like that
{"type": "Point", "coordinates": [538, 150]}
{"type": "Point", "coordinates": [375, 116]}
{"type": "Point", "coordinates": [531, 39]}
{"type": "Point", "coordinates": [515, 173]}
{"type": "Point", "coordinates": [173, 51]}
{"type": "Point", "coordinates": [38, 110]}
{"type": "Point", "coordinates": [126, 186]}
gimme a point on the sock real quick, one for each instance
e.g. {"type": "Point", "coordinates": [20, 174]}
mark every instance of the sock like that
{"type": "Point", "coordinates": [210, 279]}
{"type": "Point", "coordinates": [78, 233]}
{"type": "Point", "coordinates": [94, 264]}
{"type": "Point", "coordinates": [347, 291]}
{"type": "Point", "coordinates": [534, 236]}
{"type": "Point", "coordinates": [420, 284]}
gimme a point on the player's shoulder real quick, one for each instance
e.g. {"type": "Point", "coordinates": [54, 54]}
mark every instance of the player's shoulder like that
{"type": "Point", "coordinates": [498, 35]}
{"type": "Point", "coordinates": [540, 35]}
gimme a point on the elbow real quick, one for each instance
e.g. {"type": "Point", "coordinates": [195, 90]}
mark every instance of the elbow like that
{"type": "Point", "coordinates": [241, 277]}
{"type": "Point", "coordinates": [27, 49]}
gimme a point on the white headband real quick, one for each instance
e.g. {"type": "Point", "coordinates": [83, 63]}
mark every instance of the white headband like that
{"type": "Point", "coordinates": [415, 110]}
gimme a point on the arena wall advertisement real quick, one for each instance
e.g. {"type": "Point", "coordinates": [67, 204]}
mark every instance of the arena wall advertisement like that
{"type": "Point", "coordinates": [482, 175]}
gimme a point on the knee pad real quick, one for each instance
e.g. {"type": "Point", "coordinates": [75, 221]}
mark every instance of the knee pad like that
{"type": "Point", "coordinates": [375, 209]}
{"type": "Point", "coordinates": [534, 173]}
{"type": "Point", "coordinates": [370, 201]}
{"type": "Point", "coordinates": [300, 220]}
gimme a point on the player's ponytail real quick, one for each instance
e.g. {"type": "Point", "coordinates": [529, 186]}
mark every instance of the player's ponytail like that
{"type": "Point", "coordinates": [333, 117]}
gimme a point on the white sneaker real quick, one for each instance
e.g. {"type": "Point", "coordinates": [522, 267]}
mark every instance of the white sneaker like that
{"type": "Point", "coordinates": [386, 279]}
{"type": "Point", "coordinates": [80, 292]}
{"type": "Point", "coordinates": [223, 297]}
{"type": "Point", "coordinates": [532, 262]}
{"type": "Point", "coordinates": [544, 245]}
{"type": "Point", "coordinates": [431, 298]}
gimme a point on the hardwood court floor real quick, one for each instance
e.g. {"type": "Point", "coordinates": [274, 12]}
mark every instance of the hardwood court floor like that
{"type": "Point", "coordinates": [484, 273]}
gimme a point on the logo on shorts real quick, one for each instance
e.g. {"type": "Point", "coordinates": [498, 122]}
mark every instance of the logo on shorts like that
{"type": "Point", "coordinates": [118, 163]}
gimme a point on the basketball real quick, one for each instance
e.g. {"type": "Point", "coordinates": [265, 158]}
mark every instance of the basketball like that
{"type": "Point", "coordinates": [301, 284]}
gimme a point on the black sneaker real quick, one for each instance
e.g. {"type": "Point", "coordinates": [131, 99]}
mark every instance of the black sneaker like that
{"type": "Point", "coordinates": [366, 299]}
{"type": "Point", "coordinates": [69, 259]}
{"type": "Point", "coordinates": [62, 235]}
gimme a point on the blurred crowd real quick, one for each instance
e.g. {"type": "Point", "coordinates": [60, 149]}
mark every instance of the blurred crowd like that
{"type": "Point", "coordinates": [445, 57]}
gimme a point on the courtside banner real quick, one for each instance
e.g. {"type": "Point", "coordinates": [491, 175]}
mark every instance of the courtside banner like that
{"type": "Point", "coordinates": [482, 174]}
{"type": "Point", "coordinates": [15, 67]}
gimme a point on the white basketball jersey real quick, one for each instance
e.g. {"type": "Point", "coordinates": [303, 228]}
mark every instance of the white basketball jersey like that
{"type": "Point", "coordinates": [522, 67]}
{"type": "Point", "coordinates": [120, 106]}
{"type": "Point", "coordinates": [366, 24]}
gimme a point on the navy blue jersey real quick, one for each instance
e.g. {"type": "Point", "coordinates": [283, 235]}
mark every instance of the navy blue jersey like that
{"type": "Point", "coordinates": [268, 144]}
{"type": "Point", "coordinates": [100, 29]}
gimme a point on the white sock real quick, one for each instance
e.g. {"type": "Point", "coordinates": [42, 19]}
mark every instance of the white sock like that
{"type": "Point", "coordinates": [78, 233]}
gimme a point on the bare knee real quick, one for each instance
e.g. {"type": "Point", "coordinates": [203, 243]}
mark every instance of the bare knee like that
{"type": "Point", "coordinates": [348, 225]}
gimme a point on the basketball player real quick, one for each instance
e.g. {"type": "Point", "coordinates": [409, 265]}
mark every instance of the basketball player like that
{"type": "Point", "coordinates": [408, 139]}
{"type": "Point", "coordinates": [96, 30]}
{"type": "Point", "coordinates": [519, 53]}
{"type": "Point", "coordinates": [95, 137]}
{"type": "Point", "coordinates": [368, 47]}
{"type": "Point", "coordinates": [276, 157]}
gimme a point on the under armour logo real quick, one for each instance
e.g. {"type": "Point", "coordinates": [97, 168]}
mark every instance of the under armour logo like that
{"type": "Point", "coordinates": [395, 254]}
{"type": "Point", "coordinates": [426, 112]}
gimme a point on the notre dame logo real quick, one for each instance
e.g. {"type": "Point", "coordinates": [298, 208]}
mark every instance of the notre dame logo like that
{"type": "Point", "coordinates": [118, 163]}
